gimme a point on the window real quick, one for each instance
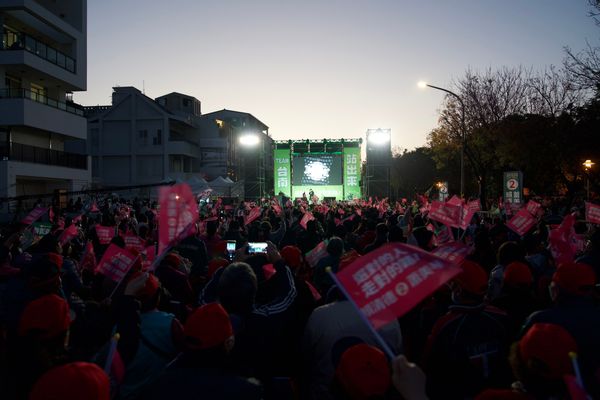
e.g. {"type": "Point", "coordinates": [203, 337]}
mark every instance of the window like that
{"type": "Point", "coordinates": [13, 85]}
{"type": "Point", "coordinates": [38, 93]}
{"type": "Point", "coordinates": [157, 140]}
{"type": "Point", "coordinates": [143, 137]}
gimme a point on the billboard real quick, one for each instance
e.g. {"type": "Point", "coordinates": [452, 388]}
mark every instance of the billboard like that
{"type": "Point", "coordinates": [283, 172]}
{"type": "Point", "coordinates": [352, 167]}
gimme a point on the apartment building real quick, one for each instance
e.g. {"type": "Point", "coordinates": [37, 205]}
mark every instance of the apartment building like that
{"type": "Point", "coordinates": [42, 62]}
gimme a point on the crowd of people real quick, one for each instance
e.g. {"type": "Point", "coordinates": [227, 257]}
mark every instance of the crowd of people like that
{"type": "Point", "coordinates": [202, 321]}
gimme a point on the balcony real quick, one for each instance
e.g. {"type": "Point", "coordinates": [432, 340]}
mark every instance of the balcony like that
{"type": "Point", "coordinates": [69, 107]}
{"type": "Point", "coordinates": [37, 155]}
{"type": "Point", "coordinates": [21, 41]}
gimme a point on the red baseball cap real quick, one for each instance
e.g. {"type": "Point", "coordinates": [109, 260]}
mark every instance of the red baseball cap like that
{"type": "Point", "coordinates": [550, 345]}
{"type": "Point", "coordinates": [473, 278]}
{"type": "Point", "coordinates": [575, 278]}
{"type": "Point", "coordinates": [45, 317]}
{"type": "Point", "coordinates": [208, 326]}
{"type": "Point", "coordinates": [292, 256]}
{"type": "Point", "coordinates": [517, 274]}
{"type": "Point", "coordinates": [74, 381]}
{"type": "Point", "coordinates": [363, 372]}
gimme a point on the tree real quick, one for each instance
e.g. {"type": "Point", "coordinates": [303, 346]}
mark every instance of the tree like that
{"type": "Point", "coordinates": [412, 172]}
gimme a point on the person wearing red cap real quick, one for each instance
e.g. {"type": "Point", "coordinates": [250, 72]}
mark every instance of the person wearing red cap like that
{"type": "Point", "coordinates": [516, 297]}
{"type": "Point", "coordinates": [574, 309]}
{"type": "Point", "coordinates": [362, 372]}
{"type": "Point", "coordinates": [540, 362]}
{"type": "Point", "coordinates": [160, 335]}
{"type": "Point", "coordinates": [174, 276]}
{"type": "Point", "coordinates": [74, 381]}
{"type": "Point", "coordinates": [202, 371]}
{"type": "Point", "coordinates": [468, 347]}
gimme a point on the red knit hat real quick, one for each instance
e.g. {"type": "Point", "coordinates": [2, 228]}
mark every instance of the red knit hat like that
{"type": "Point", "coordinates": [363, 371]}
{"type": "Point", "coordinates": [575, 278]}
{"type": "Point", "coordinates": [473, 278]}
{"type": "Point", "coordinates": [292, 256]}
{"type": "Point", "coordinates": [517, 274]}
{"type": "Point", "coordinates": [208, 326]}
{"type": "Point", "coordinates": [46, 317]}
{"type": "Point", "coordinates": [215, 264]}
{"type": "Point", "coordinates": [74, 381]}
{"type": "Point", "coordinates": [150, 287]}
{"type": "Point", "coordinates": [548, 345]}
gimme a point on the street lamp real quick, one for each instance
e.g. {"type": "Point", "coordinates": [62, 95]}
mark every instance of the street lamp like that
{"type": "Point", "coordinates": [588, 165]}
{"type": "Point", "coordinates": [423, 85]}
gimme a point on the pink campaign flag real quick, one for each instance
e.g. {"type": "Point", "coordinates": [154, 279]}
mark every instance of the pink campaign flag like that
{"type": "Point", "coordinates": [115, 263]}
{"type": "Point", "coordinates": [88, 259]}
{"type": "Point", "coordinates": [455, 252]}
{"type": "Point", "coordinates": [105, 233]}
{"type": "Point", "coordinates": [592, 213]}
{"type": "Point", "coordinates": [34, 215]}
{"type": "Point", "coordinates": [533, 208]}
{"type": "Point", "coordinates": [445, 213]}
{"type": "Point", "coordinates": [252, 215]}
{"type": "Point", "coordinates": [68, 234]}
{"type": "Point", "coordinates": [393, 279]}
{"type": "Point", "coordinates": [455, 201]}
{"type": "Point", "coordinates": [178, 211]}
{"type": "Point", "coordinates": [313, 256]}
{"type": "Point", "coordinates": [561, 241]}
{"type": "Point", "coordinates": [522, 222]}
{"type": "Point", "coordinates": [466, 217]}
{"type": "Point", "coordinates": [277, 208]}
{"type": "Point", "coordinates": [474, 205]}
{"type": "Point", "coordinates": [133, 241]}
{"type": "Point", "coordinates": [305, 218]}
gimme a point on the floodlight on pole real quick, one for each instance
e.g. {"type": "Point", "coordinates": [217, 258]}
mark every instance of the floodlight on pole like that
{"type": "Point", "coordinates": [249, 139]}
{"type": "Point", "coordinates": [588, 164]}
{"type": "Point", "coordinates": [423, 84]}
{"type": "Point", "coordinates": [378, 137]}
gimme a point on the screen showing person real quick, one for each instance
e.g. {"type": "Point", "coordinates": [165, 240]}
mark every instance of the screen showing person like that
{"type": "Point", "coordinates": [321, 169]}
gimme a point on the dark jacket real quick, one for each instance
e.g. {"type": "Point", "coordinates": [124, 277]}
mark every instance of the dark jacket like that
{"type": "Point", "coordinates": [467, 351]}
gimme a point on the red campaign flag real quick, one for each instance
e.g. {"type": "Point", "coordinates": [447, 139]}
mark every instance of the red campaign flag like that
{"type": "Point", "coordinates": [277, 208]}
{"type": "Point", "coordinates": [393, 279]}
{"type": "Point", "coordinates": [561, 241]}
{"type": "Point", "coordinates": [522, 222]}
{"type": "Point", "coordinates": [592, 213]}
{"type": "Point", "coordinates": [313, 256]}
{"type": "Point", "coordinates": [474, 205]}
{"type": "Point", "coordinates": [466, 217]}
{"type": "Point", "coordinates": [443, 235]}
{"type": "Point", "coordinates": [68, 234]}
{"type": "Point", "coordinates": [252, 215]}
{"type": "Point", "coordinates": [455, 252]}
{"type": "Point", "coordinates": [77, 219]}
{"type": "Point", "coordinates": [115, 263]}
{"type": "Point", "coordinates": [34, 215]}
{"type": "Point", "coordinates": [105, 233]}
{"type": "Point", "coordinates": [178, 210]}
{"type": "Point", "coordinates": [88, 259]}
{"type": "Point", "coordinates": [133, 241]}
{"type": "Point", "coordinates": [150, 253]}
{"type": "Point", "coordinates": [94, 208]}
{"type": "Point", "coordinates": [532, 207]}
{"type": "Point", "coordinates": [445, 213]}
{"type": "Point", "coordinates": [455, 201]}
{"type": "Point", "coordinates": [342, 212]}
{"type": "Point", "coordinates": [305, 218]}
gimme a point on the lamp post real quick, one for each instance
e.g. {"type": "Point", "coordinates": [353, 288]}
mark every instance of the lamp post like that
{"type": "Point", "coordinates": [463, 128]}
{"type": "Point", "coordinates": [588, 165]}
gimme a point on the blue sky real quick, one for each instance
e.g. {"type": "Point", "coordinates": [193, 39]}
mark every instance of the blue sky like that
{"type": "Point", "coordinates": [322, 69]}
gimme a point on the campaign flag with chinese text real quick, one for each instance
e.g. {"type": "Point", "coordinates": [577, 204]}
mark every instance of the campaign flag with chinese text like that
{"type": "Point", "coordinates": [105, 233]}
{"type": "Point", "coordinates": [178, 210]}
{"type": "Point", "coordinates": [393, 279]}
{"type": "Point", "coordinates": [521, 222]}
{"type": "Point", "coordinates": [313, 256]}
{"type": "Point", "coordinates": [70, 233]}
{"type": "Point", "coordinates": [455, 252]}
{"type": "Point", "coordinates": [253, 215]}
{"type": "Point", "coordinates": [133, 241]}
{"type": "Point", "coordinates": [533, 207]}
{"type": "Point", "coordinates": [115, 263]}
{"type": "Point", "coordinates": [34, 215]}
{"type": "Point", "coordinates": [592, 213]}
{"type": "Point", "coordinates": [446, 213]}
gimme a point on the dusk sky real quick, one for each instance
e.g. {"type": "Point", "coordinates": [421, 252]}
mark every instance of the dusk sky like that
{"type": "Point", "coordinates": [322, 69]}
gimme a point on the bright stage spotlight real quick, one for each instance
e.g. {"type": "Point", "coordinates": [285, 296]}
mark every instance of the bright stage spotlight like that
{"type": "Point", "coordinates": [249, 139]}
{"type": "Point", "coordinates": [378, 136]}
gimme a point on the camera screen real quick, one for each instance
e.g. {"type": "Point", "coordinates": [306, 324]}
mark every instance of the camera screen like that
{"type": "Point", "coordinates": [257, 247]}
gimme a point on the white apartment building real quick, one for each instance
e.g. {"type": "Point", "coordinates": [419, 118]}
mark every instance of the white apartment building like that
{"type": "Point", "coordinates": [42, 62]}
